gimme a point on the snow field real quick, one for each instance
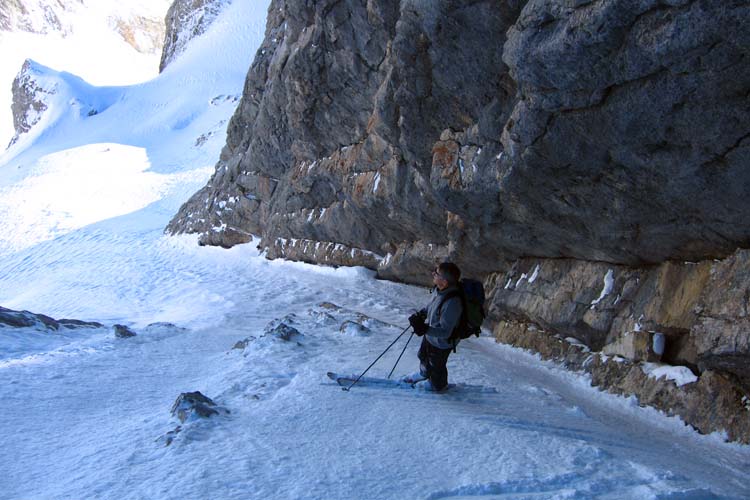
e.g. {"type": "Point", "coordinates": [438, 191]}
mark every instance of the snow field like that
{"type": "Point", "coordinates": [292, 433]}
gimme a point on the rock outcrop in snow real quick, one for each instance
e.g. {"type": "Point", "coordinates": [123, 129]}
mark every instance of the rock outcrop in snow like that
{"type": "Point", "coordinates": [123, 332]}
{"type": "Point", "coordinates": [25, 319]}
{"type": "Point", "coordinates": [41, 93]}
{"type": "Point", "coordinates": [185, 20]}
{"type": "Point", "coordinates": [29, 99]}
{"type": "Point", "coordinates": [578, 143]}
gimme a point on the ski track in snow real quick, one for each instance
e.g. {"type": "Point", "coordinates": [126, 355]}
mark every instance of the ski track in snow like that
{"type": "Point", "coordinates": [85, 414]}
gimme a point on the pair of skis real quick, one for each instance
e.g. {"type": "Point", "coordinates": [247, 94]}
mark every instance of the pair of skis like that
{"type": "Point", "coordinates": [347, 381]}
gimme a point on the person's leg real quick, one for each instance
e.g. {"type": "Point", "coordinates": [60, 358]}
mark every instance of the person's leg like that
{"type": "Point", "coordinates": [424, 358]}
{"type": "Point", "coordinates": [438, 368]}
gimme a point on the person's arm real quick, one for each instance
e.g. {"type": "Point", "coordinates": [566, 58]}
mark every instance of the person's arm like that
{"type": "Point", "coordinates": [449, 316]}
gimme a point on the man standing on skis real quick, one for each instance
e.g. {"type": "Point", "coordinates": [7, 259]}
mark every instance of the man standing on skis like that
{"type": "Point", "coordinates": [435, 324]}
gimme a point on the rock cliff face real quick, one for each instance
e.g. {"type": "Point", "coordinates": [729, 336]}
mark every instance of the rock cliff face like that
{"type": "Point", "coordinates": [29, 99]}
{"type": "Point", "coordinates": [185, 20]}
{"type": "Point", "coordinates": [594, 145]}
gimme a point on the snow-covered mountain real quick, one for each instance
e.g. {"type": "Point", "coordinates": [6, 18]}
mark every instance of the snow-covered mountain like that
{"type": "Point", "coordinates": [105, 42]}
{"type": "Point", "coordinates": [84, 196]}
{"type": "Point", "coordinates": [140, 23]}
{"type": "Point", "coordinates": [187, 19]}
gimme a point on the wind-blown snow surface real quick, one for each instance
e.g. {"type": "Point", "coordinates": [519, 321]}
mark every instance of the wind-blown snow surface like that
{"type": "Point", "coordinates": [84, 415]}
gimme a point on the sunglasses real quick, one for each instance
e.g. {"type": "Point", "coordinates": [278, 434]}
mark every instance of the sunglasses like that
{"type": "Point", "coordinates": [436, 273]}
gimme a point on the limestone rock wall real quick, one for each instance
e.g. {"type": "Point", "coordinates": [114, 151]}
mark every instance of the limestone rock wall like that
{"type": "Point", "coordinates": [487, 131]}
{"type": "Point", "coordinates": [711, 403]}
{"type": "Point", "coordinates": [358, 125]}
{"type": "Point", "coordinates": [700, 308]}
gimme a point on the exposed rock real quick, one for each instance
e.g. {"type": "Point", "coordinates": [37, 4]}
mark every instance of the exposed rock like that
{"type": "Point", "coordinates": [25, 319]}
{"type": "Point", "coordinates": [331, 145]}
{"type": "Point", "coordinates": [242, 344]}
{"type": "Point", "coordinates": [282, 331]}
{"type": "Point", "coordinates": [189, 408]}
{"type": "Point", "coordinates": [144, 34]}
{"type": "Point", "coordinates": [36, 16]}
{"type": "Point", "coordinates": [38, 92]}
{"type": "Point", "coordinates": [628, 129]}
{"type": "Point", "coordinates": [29, 99]}
{"type": "Point", "coordinates": [161, 325]}
{"type": "Point", "coordinates": [76, 323]}
{"type": "Point", "coordinates": [123, 332]}
{"type": "Point", "coordinates": [712, 404]}
{"type": "Point", "coordinates": [170, 436]}
{"type": "Point", "coordinates": [194, 404]}
{"type": "Point", "coordinates": [355, 133]}
{"type": "Point", "coordinates": [185, 20]}
{"type": "Point", "coordinates": [354, 328]}
{"type": "Point", "coordinates": [699, 308]}
{"type": "Point", "coordinates": [721, 334]}
{"type": "Point", "coordinates": [277, 329]}
{"type": "Point", "coordinates": [635, 346]}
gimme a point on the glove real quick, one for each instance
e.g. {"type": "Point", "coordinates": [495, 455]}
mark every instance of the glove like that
{"type": "Point", "coordinates": [417, 321]}
{"type": "Point", "coordinates": [419, 317]}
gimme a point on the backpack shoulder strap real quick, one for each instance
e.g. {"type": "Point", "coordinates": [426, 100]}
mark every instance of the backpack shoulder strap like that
{"type": "Point", "coordinates": [450, 295]}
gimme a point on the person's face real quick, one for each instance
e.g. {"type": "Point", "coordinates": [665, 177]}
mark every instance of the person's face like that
{"type": "Point", "coordinates": [440, 282]}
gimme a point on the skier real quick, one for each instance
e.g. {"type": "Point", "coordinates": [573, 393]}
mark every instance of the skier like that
{"type": "Point", "coordinates": [434, 324]}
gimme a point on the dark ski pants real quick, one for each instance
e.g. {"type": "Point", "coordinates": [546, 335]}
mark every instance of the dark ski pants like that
{"type": "Point", "coordinates": [433, 364]}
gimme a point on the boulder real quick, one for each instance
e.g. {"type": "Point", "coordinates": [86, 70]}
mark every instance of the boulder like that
{"type": "Point", "coordinates": [194, 404]}
{"type": "Point", "coordinates": [123, 332]}
{"type": "Point", "coordinates": [354, 328]}
{"type": "Point", "coordinates": [282, 331]}
{"type": "Point", "coordinates": [75, 324]}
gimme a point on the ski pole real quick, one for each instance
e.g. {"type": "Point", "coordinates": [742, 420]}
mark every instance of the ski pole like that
{"type": "Point", "coordinates": [376, 360]}
{"type": "Point", "coordinates": [402, 353]}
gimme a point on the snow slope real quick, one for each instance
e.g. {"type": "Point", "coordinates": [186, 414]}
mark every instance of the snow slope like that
{"type": "Point", "coordinates": [83, 201]}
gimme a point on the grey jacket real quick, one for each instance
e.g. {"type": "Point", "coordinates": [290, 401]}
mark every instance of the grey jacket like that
{"type": "Point", "coordinates": [443, 321]}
